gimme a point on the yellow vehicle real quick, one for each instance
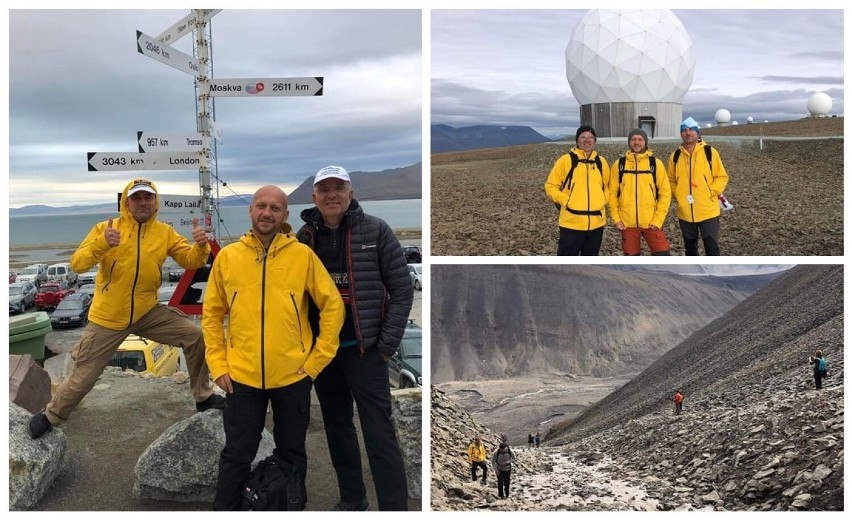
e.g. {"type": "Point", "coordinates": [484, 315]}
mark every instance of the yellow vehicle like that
{"type": "Point", "coordinates": [146, 356]}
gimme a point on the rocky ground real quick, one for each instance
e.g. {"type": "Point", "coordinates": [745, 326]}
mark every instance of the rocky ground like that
{"type": "Point", "coordinates": [788, 197]}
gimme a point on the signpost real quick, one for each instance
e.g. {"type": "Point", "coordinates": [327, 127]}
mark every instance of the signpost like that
{"type": "Point", "coordinates": [161, 52]}
{"type": "Point", "coordinates": [157, 142]}
{"type": "Point", "coordinates": [124, 161]}
{"type": "Point", "coordinates": [263, 87]}
{"type": "Point", "coordinates": [179, 210]}
{"type": "Point", "coordinates": [184, 26]}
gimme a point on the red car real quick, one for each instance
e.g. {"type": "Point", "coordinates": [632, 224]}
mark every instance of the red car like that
{"type": "Point", "coordinates": [12, 277]}
{"type": "Point", "coordinates": [50, 294]}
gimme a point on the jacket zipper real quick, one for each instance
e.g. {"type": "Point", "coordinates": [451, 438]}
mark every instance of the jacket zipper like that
{"type": "Point", "coordinates": [298, 319]}
{"type": "Point", "coordinates": [636, 186]}
{"type": "Point", "coordinates": [136, 274]}
{"type": "Point", "coordinates": [231, 310]}
{"type": "Point", "coordinates": [263, 325]}
{"type": "Point", "coordinates": [692, 205]}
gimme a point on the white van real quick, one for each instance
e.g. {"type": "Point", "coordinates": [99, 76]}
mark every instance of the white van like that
{"type": "Point", "coordinates": [61, 272]}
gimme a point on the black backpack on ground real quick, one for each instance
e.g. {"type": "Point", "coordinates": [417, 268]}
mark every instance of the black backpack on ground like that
{"type": "Point", "coordinates": [274, 485]}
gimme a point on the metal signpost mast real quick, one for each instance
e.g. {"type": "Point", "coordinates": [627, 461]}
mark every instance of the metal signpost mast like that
{"type": "Point", "coordinates": [205, 115]}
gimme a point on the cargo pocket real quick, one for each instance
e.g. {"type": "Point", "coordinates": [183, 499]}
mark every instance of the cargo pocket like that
{"type": "Point", "coordinates": [84, 346]}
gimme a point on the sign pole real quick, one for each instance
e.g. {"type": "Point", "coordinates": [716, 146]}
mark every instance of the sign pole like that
{"type": "Point", "coordinates": [203, 53]}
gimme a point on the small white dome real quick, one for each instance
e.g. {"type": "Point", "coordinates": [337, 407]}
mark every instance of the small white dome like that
{"type": "Point", "coordinates": [750, 119]}
{"type": "Point", "coordinates": [723, 116]}
{"type": "Point", "coordinates": [735, 123]}
{"type": "Point", "coordinates": [708, 125]}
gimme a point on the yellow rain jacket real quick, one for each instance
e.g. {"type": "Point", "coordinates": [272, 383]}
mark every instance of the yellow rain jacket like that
{"type": "Point", "coordinates": [581, 194]}
{"type": "Point", "coordinates": [637, 198]}
{"type": "Point", "coordinates": [693, 177]}
{"type": "Point", "coordinates": [266, 297]}
{"type": "Point", "coordinates": [476, 453]}
{"type": "Point", "coordinates": [129, 274]}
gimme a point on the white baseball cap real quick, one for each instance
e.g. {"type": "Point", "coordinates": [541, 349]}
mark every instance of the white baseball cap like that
{"type": "Point", "coordinates": [332, 172]}
{"type": "Point", "coordinates": [141, 185]}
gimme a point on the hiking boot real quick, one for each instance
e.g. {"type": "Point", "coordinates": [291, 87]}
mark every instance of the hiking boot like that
{"type": "Point", "coordinates": [215, 402]}
{"type": "Point", "coordinates": [362, 505]}
{"type": "Point", "coordinates": [39, 425]}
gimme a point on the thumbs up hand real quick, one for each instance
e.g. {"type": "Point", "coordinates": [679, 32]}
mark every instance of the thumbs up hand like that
{"type": "Point", "coordinates": [199, 234]}
{"type": "Point", "coordinates": [112, 235]}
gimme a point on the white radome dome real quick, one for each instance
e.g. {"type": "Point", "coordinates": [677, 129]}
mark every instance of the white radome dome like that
{"type": "Point", "coordinates": [723, 116]}
{"type": "Point", "coordinates": [708, 125]}
{"type": "Point", "coordinates": [819, 104]}
{"type": "Point", "coordinates": [750, 119]}
{"type": "Point", "coordinates": [735, 123]}
{"type": "Point", "coordinates": [629, 55]}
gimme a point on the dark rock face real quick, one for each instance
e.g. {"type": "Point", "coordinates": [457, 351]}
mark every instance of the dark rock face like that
{"type": "Point", "coordinates": [754, 434]}
{"type": "Point", "coordinates": [497, 322]}
{"type": "Point", "coordinates": [449, 139]}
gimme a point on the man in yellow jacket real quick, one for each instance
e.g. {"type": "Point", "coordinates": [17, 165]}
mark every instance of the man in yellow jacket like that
{"type": "Point", "coordinates": [578, 185]}
{"type": "Point", "coordinates": [477, 457]}
{"type": "Point", "coordinates": [265, 283]}
{"type": "Point", "coordinates": [696, 185]}
{"type": "Point", "coordinates": [639, 197]}
{"type": "Point", "coordinates": [130, 252]}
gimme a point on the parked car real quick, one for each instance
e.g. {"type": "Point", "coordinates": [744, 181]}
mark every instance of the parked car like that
{"type": "Point", "coordinates": [50, 294]}
{"type": "Point", "coordinates": [36, 274]}
{"type": "Point", "coordinates": [13, 277]}
{"type": "Point", "coordinates": [61, 273]}
{"type": "Point", "coordinates": [89, 276]}
{"type": "Point", "coordinates": [174, 272]}
{"type": "Point", "coordinates": [21, 296]}
{"type": "Point", "coordinates": [406, 366]}
{"type": "Point", "coordinates": [72, 311]}
{"type": "Point", "coordinates": [88, 288]}
{"type": "Point", "coordinates": [146, 356]}
{"type": "Point", "coordinates": [415, 271]}
{"type": "Point", "coordinates": [412, 254]}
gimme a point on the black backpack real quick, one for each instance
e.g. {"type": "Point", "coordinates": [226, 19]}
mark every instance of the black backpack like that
{"type": "Point", "coordinates": [652, 162]}
{"type": "Point", "coordinates": [274, 485]}
{"type": "Point", "coordinates": [575, 160]}
{"type": "Point", "coordinates": [708, 151]}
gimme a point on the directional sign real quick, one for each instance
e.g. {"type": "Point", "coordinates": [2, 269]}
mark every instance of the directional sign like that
{"type": "Point", "coordinates": [184, 26]}
{"type": "Point", "coordinates": [179, 210]}
{"type": "Point", "coordinates": [161, 52]}
{"type": "Point", "coordinates": [157, 142]}
{"type": "Point", "coordinates": [215, 131]}
{"type": "Point", "coordinates": [106, 161]}
{"type": "Point", "coordinates": [261, 87]}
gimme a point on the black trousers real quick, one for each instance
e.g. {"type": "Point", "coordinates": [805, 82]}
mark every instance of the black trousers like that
{"type": "Point", "coordinates": [479, 464]}
{"type": "Point", "coordinates": [709, 230]}
{"type": "Point", "coordinates": [503, 478]}
{"type": "Point", "coordinates": [364, 379]}
{"type": "Point", "coordinates": [575, 243]}
{"type": "Point", "coordinates": [244, 417]}
{"type": "Point", "coordinates": [818, 380]}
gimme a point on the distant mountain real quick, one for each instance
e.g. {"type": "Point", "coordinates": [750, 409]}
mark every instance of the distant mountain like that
{"type": "Point", "coordinates": [448, 139]}
{"type": "Point", "coordinates": [393, 184]}
{"type": "Point", "coordinates": [707, 270]}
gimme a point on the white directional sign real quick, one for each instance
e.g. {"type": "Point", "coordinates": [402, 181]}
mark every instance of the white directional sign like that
{"type": "Point", "coordinates": [179, 210]}
{"type": "Point", "coordinates": [260, 87]}
{"type": "Point", "coordinates": [215, 131]}
{"type": "Point", "coordinates": [184, 26]}
{"type": "Point", "coordinates": [161, 52]}
{"type": "Point", "coordinates": [157, 142]}
{"type": "Point", "coordinates": [106, 161]}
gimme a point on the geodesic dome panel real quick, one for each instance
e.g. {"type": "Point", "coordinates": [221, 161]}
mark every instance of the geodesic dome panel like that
{"type": "Point", "coordinates": [819, 104]}
{"type": "Point", "coordinates": [629, 56]}
{"type": "Point", "coordinates": [723, 116]}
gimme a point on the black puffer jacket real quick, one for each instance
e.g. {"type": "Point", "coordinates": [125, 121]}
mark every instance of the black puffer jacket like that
{"type": "Point", "coordinates": [379, 284]}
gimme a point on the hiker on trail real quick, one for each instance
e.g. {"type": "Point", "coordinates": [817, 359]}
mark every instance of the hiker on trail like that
{"type": "Point", "coordinates": [477, 457]}
{"type": "Point", "coordinates": [502, 462]}
{"type": "Point", "coordinates": [537, 439]}
{"type": "Point", "coordinates": [263, 285]}
{"type": "Point", "coordinates": [530, 440]}
{"type": "Point", "coordinates": [678, 402]}
{"type": "Point", "coordinates": [820, 368]}
{"type": "Point", "coordinates": [639, 197]}
{"type": "Point", "coordinates": [697, 177]}
{"type": "Point", "coordinates": [130, 251]}
{"type": "Point", "coordinates": [578, 185]}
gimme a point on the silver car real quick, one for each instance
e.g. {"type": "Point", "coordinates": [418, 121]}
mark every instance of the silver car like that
{"type": "Point", "coordinates": [21, 296]}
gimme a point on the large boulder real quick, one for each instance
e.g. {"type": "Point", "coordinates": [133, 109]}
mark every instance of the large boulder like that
{"type": "Point", "coordinates": [183, 463]}
{"type": "Point", "coordinates": [33, 464]}
{"type": "Point", "coordinates": [408, 418]}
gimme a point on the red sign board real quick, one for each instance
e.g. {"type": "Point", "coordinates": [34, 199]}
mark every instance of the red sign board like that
{"type": "Point", "coordinates": [188, 298]}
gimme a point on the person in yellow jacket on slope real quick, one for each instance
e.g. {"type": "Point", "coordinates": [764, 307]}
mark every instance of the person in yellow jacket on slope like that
{"type": "Point", "coordinates": [639, 197]}
{"type": "Point", "coordinates": [477, 457]}
{"type": "Point", "coordinates": [578, 185]}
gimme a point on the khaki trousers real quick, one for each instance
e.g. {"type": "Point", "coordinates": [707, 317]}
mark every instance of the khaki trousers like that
{"type": "Point", "coordinates": [97, 344]}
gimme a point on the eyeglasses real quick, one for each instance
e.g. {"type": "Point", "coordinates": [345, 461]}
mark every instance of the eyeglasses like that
{"type": "Point", "coordinates": [325, 188]}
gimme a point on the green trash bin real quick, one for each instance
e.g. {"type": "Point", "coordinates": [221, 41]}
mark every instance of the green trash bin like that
{"type": "Point", "coordinates": [27, 334]}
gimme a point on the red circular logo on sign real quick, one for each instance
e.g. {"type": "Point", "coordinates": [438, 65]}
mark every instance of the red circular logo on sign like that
{"type": "Point", "coordinates": [259, 87]}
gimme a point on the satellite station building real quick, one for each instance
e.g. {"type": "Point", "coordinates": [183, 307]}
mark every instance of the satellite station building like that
{"type": "Point", "coordinates": [630, 69]}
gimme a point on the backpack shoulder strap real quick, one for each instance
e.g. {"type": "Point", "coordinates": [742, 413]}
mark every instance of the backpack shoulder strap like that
{"type": "Point", "coordinates": [574, 162]}
{"type": "Point", "coordinates": [708, 152]}
{"type": "Point", "coordinates": [676, 157]}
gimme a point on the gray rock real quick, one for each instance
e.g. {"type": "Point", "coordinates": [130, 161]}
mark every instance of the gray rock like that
{"type": "Point", "coordinates": [33, 464]}
{"type": "Point", "coordinates": [821, 472]}
{"type": "Point", "coordinates": [407, 417]}
{"type": "Point", "coordinates": [183, 463]}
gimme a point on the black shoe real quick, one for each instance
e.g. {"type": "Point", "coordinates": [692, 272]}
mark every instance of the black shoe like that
{"type": "Point", "coordinates": [215, 401]}
{"type": "Point", "coordinates": [39, 425]}
{"type": "Point", "coordinates": [352, 506]}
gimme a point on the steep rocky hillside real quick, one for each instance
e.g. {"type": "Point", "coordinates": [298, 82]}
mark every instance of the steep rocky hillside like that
{"type": "Point", "coordinates": [754, 434]}
{"type": "Point", "coordinates": [498, 322]}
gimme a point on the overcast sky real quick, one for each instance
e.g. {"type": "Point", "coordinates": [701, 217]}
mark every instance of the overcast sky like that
{"type": "Point", "coordinates": [77, 85]}
{"type": "Point", "coordinates": [508, 67]}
